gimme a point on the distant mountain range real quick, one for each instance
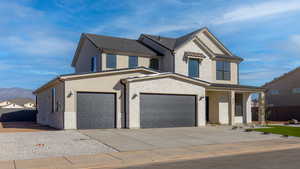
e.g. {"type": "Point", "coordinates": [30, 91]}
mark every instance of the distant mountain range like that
{"type": "Point", "coordinates": [12, 93]}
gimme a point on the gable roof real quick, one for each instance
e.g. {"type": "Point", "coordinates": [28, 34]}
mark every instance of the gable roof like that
{"type": "Point", "coordinates": [115, 44]}
{"type": "Point", "coordinates": [175, 43]}
{"type": "Point", "coordinates": [282, 76]}
{"type": "Point", "coordinates": [183, 39]}
{"type": "Point", "coordinates": [172, 43]}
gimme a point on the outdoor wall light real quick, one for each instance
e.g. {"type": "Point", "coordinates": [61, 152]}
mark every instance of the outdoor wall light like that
{"type": "Point", "coordinates": [201, 97]}
{"type": "Point", "coordinates": [70, 94]}
{"type": "Point", "coordinates": [134, 96]}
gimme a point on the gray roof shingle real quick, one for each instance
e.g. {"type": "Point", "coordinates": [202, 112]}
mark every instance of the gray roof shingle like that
{"type": "Point", "coordinates": [164, 41]}
{"type": "Point", "coordinates": [174, 43]}
{"type": "Point", "coordinates": [115, 44]}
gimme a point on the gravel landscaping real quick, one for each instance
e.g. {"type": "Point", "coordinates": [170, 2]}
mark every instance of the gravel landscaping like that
{"type": "Point", "coordinates": [17, 146]}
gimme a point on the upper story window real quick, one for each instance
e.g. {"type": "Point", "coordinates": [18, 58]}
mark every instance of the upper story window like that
{"type": "Point", "coordinates": [53, 96]}
{"type": "Point", "coordinates": [274, 92]}
{"type": "Point", "coordinates": [296, 90]}
{"type": "Point", "coordinates": [111, 61]}
{"type": "Point", "coordinates": [193, 66]}
{"type": "Point", "coordinates": [133, 61]}
{"type": "Point", "coordinates": [223, 70]}
{"type": "Point", "coordinates": [154, 64]}
{"type": "Point", "coordinates": [93, 64]}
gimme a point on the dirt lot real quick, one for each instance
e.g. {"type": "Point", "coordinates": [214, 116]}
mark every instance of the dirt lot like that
{"type": "Point", "coordinates": [12, 127]}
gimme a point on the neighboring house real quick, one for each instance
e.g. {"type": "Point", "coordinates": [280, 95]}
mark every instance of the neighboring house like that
{"type": "Point", "coordinates": [17, 103]}
{"type": "Point", "coordinates": [29, 105]}
{"type": "Point", "coordinates": [12, 106]}
{"type": "Point", "coordinates": [150, 82]}
{"type": "Point", "coordinates": [254, 103]}
{"type": "Point", "coordinates": [4, 103]}
{"type": "Point", "coordinates": [283, 96]}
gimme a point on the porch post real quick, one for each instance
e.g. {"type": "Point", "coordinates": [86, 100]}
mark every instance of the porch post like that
{"type": "Point", "coordinates": [261, 108]}
{"type": "Point", "coordinates": [232, 107]}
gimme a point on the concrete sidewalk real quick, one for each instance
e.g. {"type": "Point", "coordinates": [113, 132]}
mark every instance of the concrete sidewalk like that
{"type": "Point", "coordinates": [122, 159]}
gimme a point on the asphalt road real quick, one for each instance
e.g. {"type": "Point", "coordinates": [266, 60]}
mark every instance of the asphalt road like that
{"type": "Point", "coordinates": [287, 159]}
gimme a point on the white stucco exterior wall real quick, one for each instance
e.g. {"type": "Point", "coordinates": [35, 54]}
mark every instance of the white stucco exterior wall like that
{"type": "Point", "coordinates": [224, 109]}
{"type": "Point", "coordinates": [181, 63]}
{"type": "Point", "coordinates": [164, 85]}
{"type": "Point", "coordinates": [45, 116]}
{"type": "Point", "coordinates": [123, 60]}
{"type": "Point", "coordinates": [106, 83]}
{"type": "Point", "coordinates": [247, 102]}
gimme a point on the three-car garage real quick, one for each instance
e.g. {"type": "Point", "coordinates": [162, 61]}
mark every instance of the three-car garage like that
{"type": "Point", "coordinates": [135, 98]}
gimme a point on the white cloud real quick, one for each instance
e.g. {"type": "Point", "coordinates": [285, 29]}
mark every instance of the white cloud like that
{"type": "Point", "coordinates": [11, 11]}
{"type": "Point", "coordinates": [259, 10]}
{"type": "Point", "coordinates": [294, 44]}
{"type": "Point", "coordinates": [41, 72]}
{"type": "Point", "coordinates": [39, 45]}
{"type": "Point", "coordinates": [290, 47]}
{"type": "Point", "coordinates": [5, 66]}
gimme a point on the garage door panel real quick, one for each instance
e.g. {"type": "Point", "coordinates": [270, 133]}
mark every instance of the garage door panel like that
{"type": "Point", "coordinates": [95, 110]}
{"type": "Point", "coordinates": [167, 111]}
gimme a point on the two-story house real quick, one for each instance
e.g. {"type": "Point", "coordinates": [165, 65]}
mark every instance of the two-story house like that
{"type": "Point", "coordinates": [150, 82]}
{"type": "Point", "coordinates": [283, 95]}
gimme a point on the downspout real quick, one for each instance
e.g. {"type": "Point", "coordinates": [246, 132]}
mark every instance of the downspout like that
{"type": "Point", "coordinates": [64, 102]}
{"type": "Point", "coordinates": [36, 110]}
{"type": "Point", "coordinates": [124, 104]}
{"type": "Point", "coordinates": [173, 54]}
{"type": "Point", "coordinates": [238, 71]}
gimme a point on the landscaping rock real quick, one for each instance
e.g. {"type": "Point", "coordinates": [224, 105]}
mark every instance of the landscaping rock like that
{"type": "Point", "coordinates": [293, 121]}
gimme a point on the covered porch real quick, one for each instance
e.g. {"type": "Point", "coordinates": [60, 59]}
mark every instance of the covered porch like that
{"type": "Point", "coordinates": [228, 104]}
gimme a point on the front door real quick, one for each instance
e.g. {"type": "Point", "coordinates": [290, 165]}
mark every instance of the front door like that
{"type": "Point", "coordinates": [239, 105]}
{"type": "Point", "coordinates": [207, 108]}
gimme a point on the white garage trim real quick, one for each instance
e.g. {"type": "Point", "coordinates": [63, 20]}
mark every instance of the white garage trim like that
{"type": "Point", "coordinates": [163, 85]}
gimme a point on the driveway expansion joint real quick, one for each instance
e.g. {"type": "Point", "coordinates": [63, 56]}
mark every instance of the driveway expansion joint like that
{"type": "Point", "coordinates": [115, 149]}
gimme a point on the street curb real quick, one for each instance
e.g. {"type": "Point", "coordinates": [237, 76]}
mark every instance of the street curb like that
{"type": "Point", "coordinates": [200, 156]}
{"type": "Point", "coordinates": [133, 158]}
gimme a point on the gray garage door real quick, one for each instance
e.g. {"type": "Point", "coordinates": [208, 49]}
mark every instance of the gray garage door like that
{"type": "Point", "coordinates": [167, 111]}
{"type": "Point", "coordinates": [95, 110]}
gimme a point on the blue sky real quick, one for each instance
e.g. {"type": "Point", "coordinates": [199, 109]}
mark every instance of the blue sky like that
{"type": "Point", "coordinates": [38, 38]}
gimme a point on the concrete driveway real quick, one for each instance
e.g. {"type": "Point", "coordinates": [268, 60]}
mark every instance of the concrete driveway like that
{"type": "Point", "coordinates": [30, 145]}
{"type": "Point", "coordinates": [146, 139]}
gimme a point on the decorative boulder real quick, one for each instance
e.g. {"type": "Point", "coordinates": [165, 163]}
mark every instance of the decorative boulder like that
{"type": "Point", "coordinates": [293, 121]}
